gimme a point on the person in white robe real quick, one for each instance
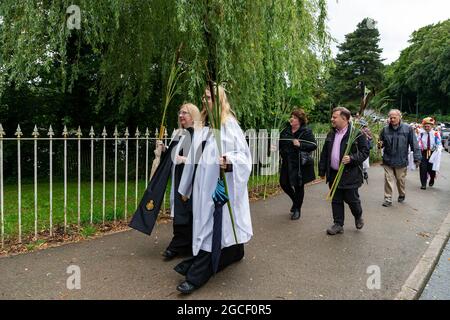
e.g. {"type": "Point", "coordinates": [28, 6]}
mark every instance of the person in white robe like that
{"type": "Point", "coordinates": [181, 211]}
{"type": "Point", "coordinates": [204, 163]}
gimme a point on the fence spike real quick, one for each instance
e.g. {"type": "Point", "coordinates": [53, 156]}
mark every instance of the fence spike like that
{"type": "Point", "coordinates": [116, 133]}
{"type": "Point", "coordinates": [65, 132]}
{"type": "Point", "coordinates": [127, 134]}
{"type": "Point", "coordinates": [104, 134]}
{"type": "Point", "coordinates": [18, 132]}
{"type": "Point", "coordinates": [2, 132]}
{"type": "Point", "coordinates": [50, 133]}
{"type": "Point", "coordinates": [137, 134]}
{"type": "Point", "coordinates": [35, 133]}
{"type": "Point", "coordinates": [147, 133]}
{"type": "Point", "coordinates": [79, 134]}
{"type": "Point", "coordinates": [91, 132]}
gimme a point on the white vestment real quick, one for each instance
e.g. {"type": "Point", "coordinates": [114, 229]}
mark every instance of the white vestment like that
{"type": "Point", "coordinates": [180, 134]}
{"type": "Point", "coordinates": [237, 152]}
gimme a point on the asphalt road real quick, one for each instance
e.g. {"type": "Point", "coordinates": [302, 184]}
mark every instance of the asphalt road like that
{"type": "Point", "coordinates": [284, 260]}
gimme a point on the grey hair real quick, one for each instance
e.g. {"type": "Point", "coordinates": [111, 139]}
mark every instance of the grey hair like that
{"type": "Point", "coordinates": [396, 111]}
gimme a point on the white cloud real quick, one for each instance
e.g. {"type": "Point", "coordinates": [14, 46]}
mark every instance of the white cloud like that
{"type": "Point", "coordinates": [396, 20]}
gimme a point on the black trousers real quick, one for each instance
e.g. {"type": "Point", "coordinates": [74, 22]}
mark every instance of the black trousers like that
{"type": "Point", "coordinates": [182, 239]}
{"type": "Point", "coordinates": [296, 193]}
{"type": "Point", "coordinates": [426, 168]}
{"type": "Point", "coordinates": [349, 196]}
{"type": "Point", "coordinates": [198, 270]}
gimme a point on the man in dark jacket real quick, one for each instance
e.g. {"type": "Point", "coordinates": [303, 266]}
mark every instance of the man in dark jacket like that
{"type": "Point", "coordinates": [395, 139]}
{"type": "Point", "coordinates": [332, 156]}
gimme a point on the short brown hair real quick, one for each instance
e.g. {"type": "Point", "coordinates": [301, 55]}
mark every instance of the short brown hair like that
{"type": "Point", "coordinates": [300, 114]}
{"type": "Point", "coordinates": [343, 112]}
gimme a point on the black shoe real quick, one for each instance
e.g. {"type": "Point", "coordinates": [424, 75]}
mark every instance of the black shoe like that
{"type": "Point", "coordinates": [169, 254]}
{"type": "Point", "coordinates": [387, 203]}
{"type": "Point", "coordinates": [359, 223]}
{"type": "Point", "coordinates": [423, 187]}
{"type": "Point", "coordinates": [292, 209]}
{"type": "Point", "coordinates": [431, 183]}
{"type": "Point", "coordinates": [401, 199]}
{"type": "Point", "coordinates": [335, 229]}
{"type": "Point", "coordinates": [296, 214]}
{"type": "Point", "coordinates": [186, 287]}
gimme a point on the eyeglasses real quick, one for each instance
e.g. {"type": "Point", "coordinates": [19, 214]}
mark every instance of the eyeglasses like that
{"type": "Point", "coordinates": [183, 113]}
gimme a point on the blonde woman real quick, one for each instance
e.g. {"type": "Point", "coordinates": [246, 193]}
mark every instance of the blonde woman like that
{"type": "Point", "coordinates": [181, 211]}
{"type": "Point", "coordinates": [172, 164]}
{"type": "Point", "coordinates": [215, 248]}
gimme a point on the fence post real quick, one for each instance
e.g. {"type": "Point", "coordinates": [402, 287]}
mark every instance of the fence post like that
{"type": "Point", "coordinates": [19, 134]}
{"type": "Point", "coordinates": [79, 134]}
{"type": "Point", "coordinates": [2, 218]}
{"type": "Point", "coordinates": [116, 134]}
{"type": "Point", "coordinates": [137, 134]}
{"type": "Point", "coordinates": [35, 134]}
{"type": "Point", "coordinates": [104, 134]}
{"type": "Point", "coordinates": [92, 135]}
{"type": "Point", "coordinates": [127, 134]}
{"type": "Point", "coordinates": [65, 134]}
{"type": "Point", "coordinates": [147, 134]}
{"type": "Point", "coordinates": [51, 134]}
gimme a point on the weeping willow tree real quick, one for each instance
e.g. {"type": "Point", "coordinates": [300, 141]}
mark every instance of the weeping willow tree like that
{"type": "Point", "coordinates": [263, 50]}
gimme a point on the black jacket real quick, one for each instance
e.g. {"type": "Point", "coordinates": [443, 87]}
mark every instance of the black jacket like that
{"type": "Point", "coordinates": [290, 155]}
{"type": "Point", "coordinates": [352, 177]}
{"type": "Point", "coordinates": [396, 143]}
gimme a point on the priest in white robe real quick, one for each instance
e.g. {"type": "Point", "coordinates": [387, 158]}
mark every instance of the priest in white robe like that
{"type": "Point", "coordinates": [204, 165]}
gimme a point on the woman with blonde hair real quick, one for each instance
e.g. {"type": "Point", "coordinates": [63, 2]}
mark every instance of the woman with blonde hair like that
{"type": "Point", "coordinates": [214, 243]}
{"type": "Point", "coordinates": [172, 164]}
{"type": "Point", "coordinates": [180, 210]}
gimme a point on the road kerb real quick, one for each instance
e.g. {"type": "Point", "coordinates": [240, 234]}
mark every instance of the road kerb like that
{"type": "Point", "coordinates": [417, 280]}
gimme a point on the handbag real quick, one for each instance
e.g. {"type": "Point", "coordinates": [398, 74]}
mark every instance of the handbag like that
{"type": "Point", "coordinates": [306, 158]}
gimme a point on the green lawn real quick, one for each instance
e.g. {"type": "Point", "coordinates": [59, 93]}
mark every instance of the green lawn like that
{"type": "Point", "coordinates": [256, 183]}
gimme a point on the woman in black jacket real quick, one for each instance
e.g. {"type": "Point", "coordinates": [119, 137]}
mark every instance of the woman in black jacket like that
{"type": "Point", "coordinates": [297, 165]}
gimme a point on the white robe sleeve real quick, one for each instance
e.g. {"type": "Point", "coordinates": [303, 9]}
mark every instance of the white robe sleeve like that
{"type": "Point", "coordinates": [185, 187]}
{"type": "Point", "coordinates": [237, 152]}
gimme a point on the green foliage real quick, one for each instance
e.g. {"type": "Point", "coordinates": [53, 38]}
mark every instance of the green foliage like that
{"type": "Point", "coordinates": [358, 61]}
{"type": "Point", "coordinates": [422, 73]}
{"type": "Point", "coordinates": [88, 231]}
{"type": "Point", "coordinates": [114, 68]}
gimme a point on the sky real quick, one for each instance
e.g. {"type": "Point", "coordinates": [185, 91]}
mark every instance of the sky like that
{"type": "Point", "coordinates": [396, 20]}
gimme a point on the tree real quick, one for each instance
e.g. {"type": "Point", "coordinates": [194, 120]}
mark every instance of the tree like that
{"type": "Point", "coordinates": [422, 72]}
{"type": "Point", "coordinates": [124, 48]}
{"type": "Point", "coordinates": [358, 66]}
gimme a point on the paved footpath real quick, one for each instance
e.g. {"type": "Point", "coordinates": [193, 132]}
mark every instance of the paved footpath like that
{"type": "Point", "coordinates": [284, 260]}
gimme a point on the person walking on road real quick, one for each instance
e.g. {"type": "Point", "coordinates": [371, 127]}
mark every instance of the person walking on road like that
{"type": "Point", "coordinates": [297, 167]}
{"type": "Point", "coordinates": [429, 143]}
{"type": "Point", "coordinates": [395, 140]}
{"type": "Point", "coordinates": [214, 243]}
{"type": "Point", "coordinates": [332, 156]}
